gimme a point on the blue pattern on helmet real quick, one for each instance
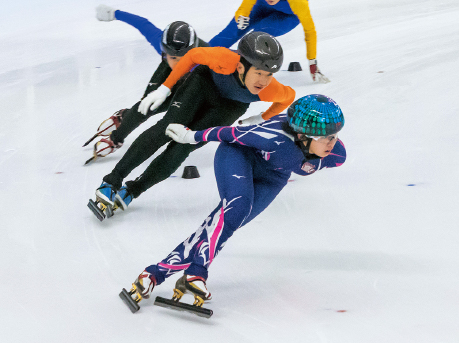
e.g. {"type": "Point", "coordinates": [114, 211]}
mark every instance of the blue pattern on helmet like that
{"type": "Point", "coordinates": [315, 115]}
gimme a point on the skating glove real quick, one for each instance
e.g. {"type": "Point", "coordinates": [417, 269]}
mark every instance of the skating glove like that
{"type": "Point", "coordinates": [317, 76]}
{"type": "Point", "coordinates": [242, 22]}
{"type": "Point", "coordinates": [180, 134]}
{"type": "Point", "coordinates": [105, 13]}
{"type": "Point", "coordinates": [253, 120]}
{"type": "Point", "coordinates": [153, 100]}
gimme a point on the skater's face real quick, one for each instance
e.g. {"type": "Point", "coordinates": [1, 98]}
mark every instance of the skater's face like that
{"type": "Point", "coordinates": [322, 146]}
{"type": "Point", "coordinates": [256, 79]}
{"type": "Point", "coordinates": [172, 60]}
{"type": "Point", "coordinates": [272, 2]}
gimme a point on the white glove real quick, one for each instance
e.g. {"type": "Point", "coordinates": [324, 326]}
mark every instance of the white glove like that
{"type": "Point", "coordinates": [180, 134]}
{"type": "Point", "coordinates": [153, 100]}
{"type": "Point", "coordinates": [242, 22]}
{"type": "Point", "coordinates": [317, 76]}
{"type": "Point", "coordinates": [253, 120]}
{"type": "Point", "coordinates": [105, 13]}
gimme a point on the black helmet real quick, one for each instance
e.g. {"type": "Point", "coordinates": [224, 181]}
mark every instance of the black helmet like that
{"type": "Point", "coordinates": [178, 38]}
{"type": "Point", "coordinates": [262, 51]}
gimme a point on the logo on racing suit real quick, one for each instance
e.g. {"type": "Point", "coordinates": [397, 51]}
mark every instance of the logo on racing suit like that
{"type": "Point", "coordinates": [308, 168]}
{"type": "Point", "coordinates": [266, 155]}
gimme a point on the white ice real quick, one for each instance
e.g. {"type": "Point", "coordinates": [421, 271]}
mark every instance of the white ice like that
{"type": "Point", "coordinates": [367, 252]}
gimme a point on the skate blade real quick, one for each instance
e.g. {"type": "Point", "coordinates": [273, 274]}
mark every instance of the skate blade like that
{"type": "Point", "coordinates": [90, 160]}
{"type": "Point", "coordinates": [179, 306]}
{"type": "Point", "coordinates": [131, 303]}
{"type": "Point", "coordinates": [91, 139]}
{"type": "Point", "coordinates": [96, 210]}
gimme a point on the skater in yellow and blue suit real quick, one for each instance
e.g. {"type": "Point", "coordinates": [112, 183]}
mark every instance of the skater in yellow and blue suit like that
{"type": "Point", "coordinates": [276, 17]}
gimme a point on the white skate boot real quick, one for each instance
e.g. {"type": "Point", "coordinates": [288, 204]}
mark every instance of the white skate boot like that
{"type": "Point", "coordinates": [141, 289]}
{"type": "Point", "coordinates": [195, 285]}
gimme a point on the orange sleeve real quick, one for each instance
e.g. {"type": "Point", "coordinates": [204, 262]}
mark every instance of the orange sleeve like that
{"type": "Point", "coordinates": [281, 96]}
{"type": "Point", "coordinates": [221, 60]}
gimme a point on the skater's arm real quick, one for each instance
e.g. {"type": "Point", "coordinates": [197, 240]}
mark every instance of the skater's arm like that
{"type": "Point", "coordinates": [245, 8]}
{"type": "Point", "coordinates": [281, 96]}
{"type": "Point", "coordinates": [263, 136]}
{"type": "Point", "coordinates": [301, 9]}
{"type": "Point", "coordinates": [146, 28]}
{"type": "Point", "coordinates": [221, 60]}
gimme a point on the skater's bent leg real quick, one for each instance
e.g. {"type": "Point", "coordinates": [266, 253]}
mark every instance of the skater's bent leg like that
{"type": "Point", "coordinates": [163, 166]}
{"type": "Point", "coordinates": [180, 258]}
{"type": "Point", "coordinates": [276, 24]}
{"type": "Point", "coordinates": [195, 254]}
{"type": "Point", "coordinates": [132, 118]}
{"type": "Point", "coordinates": [228, 36]}
{"type": "Point", "coordinates": [265, 191]}
{"type": "Point", "coordinates": [235, 185]}
{"type": "Point", "coordinates": [141, 149]}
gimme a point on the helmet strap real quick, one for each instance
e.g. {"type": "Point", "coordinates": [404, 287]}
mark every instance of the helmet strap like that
{"type": "Point", "coordinates": [247, 66]}
{"type": "Point", "coordinates": [305, 147]}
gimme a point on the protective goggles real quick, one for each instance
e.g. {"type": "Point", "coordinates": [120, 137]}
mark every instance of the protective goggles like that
{"type": "Point", "coordinates": [321, 139]}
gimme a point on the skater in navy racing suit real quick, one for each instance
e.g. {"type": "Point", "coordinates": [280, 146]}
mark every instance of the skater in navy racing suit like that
{"type": "Point", "coordinates": [252, 165]}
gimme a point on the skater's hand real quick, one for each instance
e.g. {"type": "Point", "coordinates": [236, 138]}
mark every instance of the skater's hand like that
{"type": "Point", "coordinates": [242, 22]}
{"type": "Point", "coordinates": [105, 13]}
{"type": "Point", "coordinates": [316, 75]}
{"type": "Point", "coordinates": [180, 134]}
{"type": "Point", "coordinates": [253, 120]}
{"type": "Point", "coordinates": [153, 100]}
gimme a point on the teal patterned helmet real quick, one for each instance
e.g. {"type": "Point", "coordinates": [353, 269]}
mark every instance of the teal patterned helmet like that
{"type": "Point", "coordinates": [315, 115]}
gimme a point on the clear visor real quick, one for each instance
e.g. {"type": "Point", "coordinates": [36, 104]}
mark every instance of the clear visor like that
{"type": "Point", "coordinates": [321, 139]}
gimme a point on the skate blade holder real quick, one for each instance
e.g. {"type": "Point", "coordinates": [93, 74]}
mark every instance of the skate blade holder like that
{"type": "Point", "coordinates": [131, 303]}
{"type": "Point", "coordinates": [100, 210]}
{"type": "Point", "coordinates": [179, 306]}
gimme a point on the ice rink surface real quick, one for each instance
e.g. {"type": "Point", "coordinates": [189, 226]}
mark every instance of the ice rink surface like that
{"type": "Point", "coordinates": [367, 252]}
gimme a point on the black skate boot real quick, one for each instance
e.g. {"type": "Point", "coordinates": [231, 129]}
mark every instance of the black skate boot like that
{"type": "Point", "coordinates": [141, 289]}
{"type": "Point", "coordinates": [191, 284]}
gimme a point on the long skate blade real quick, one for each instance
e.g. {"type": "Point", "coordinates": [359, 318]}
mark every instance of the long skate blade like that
{"type": "Point", "coordinates": [90, 160]}
{"type": "Point", "coordinates": [96, 210]}
{"type": "Point", "coordinates": [133, 306]}
{"type": "Point", "coordinates": [91, 139]}
{"type": "Point", "coordinates": [179, 306]}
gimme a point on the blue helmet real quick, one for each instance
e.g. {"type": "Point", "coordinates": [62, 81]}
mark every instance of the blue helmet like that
{"type": "Point", "coordinates": [315, 115]}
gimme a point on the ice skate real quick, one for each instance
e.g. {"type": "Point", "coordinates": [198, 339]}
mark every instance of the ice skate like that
{"type": "Point", "coordinates": [194, 285]}
{"type": "Point", "coordinates": [105, 204]}
{"type": "Point", "coordinates": [141, 289]}
{"type": "Point", "coordinates": [103, 148]}
{"type": "Point", "coordinates": [191, 284]}
{"type": "Point", "coordinates": [107, 126]}
{"type": "Point", "coordinates": [123, 198]}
